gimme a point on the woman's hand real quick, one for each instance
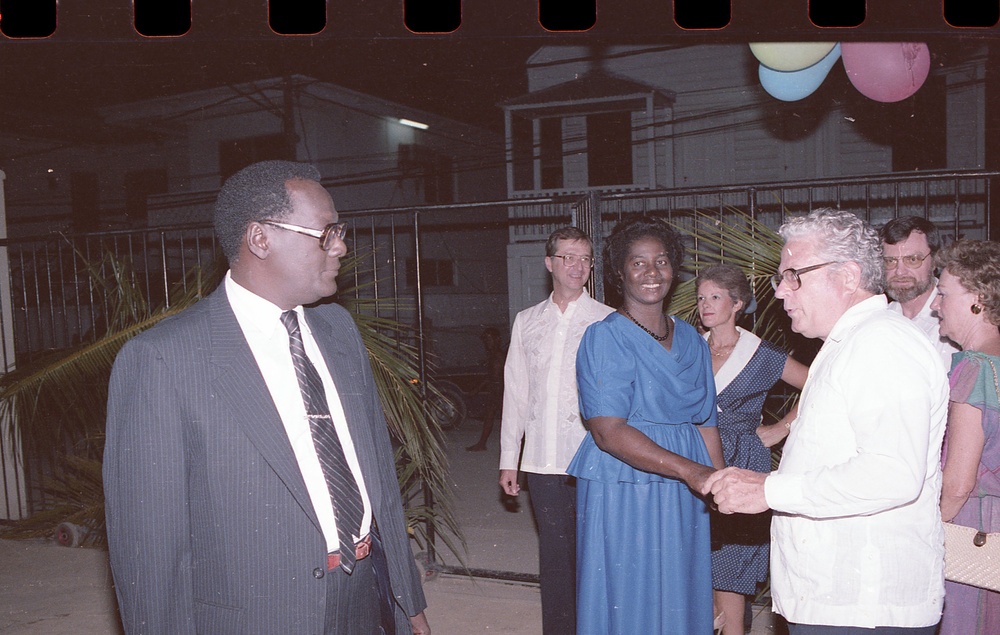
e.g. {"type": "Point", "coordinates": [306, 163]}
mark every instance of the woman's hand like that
{"type": "Point", "coordinates": [772, 435]}
{"type": "Point", "coordinates": [617, 438]}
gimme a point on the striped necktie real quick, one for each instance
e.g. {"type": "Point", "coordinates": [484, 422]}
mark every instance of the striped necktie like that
{"type": "Point", "coordinates": [346, 497]}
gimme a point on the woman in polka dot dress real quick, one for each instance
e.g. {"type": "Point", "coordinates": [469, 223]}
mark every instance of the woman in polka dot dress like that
{"type": "Point", "coordinates": [745, 369]}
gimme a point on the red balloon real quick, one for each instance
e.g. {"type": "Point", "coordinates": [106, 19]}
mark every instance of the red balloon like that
{"type": "Point", "coordinates": [886, 71]}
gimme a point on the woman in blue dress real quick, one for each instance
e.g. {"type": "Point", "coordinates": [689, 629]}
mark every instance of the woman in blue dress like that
{"type": "Point", "coordinates": [648, 400]}
{"type": "Point", "coordinates": [745, 369]}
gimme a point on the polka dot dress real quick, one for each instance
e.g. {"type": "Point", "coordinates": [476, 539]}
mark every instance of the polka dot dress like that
{"type": "Point", "coordinates": [740, 542]}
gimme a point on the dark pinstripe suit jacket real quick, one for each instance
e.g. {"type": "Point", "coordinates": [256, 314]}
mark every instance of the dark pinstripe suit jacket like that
{"type": "Point", "coordinates": [210, 526]}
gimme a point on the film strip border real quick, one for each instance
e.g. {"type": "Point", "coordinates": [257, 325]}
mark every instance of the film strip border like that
{"type": "Point", "coordinates": [32, 19]}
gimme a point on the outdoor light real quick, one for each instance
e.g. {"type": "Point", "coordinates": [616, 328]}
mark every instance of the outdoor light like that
{"type": "Point", "coordinates": [414, 124]}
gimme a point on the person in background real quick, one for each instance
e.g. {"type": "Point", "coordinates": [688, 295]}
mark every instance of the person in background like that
{"type": "Point", "coordinates": [857, 544]}
{"type": "Point", "coordinates": [648, 400]}
{"type": "Point", "coordinates": [745, 368]}
{"type": "Point", "coordinates": [540, 409]}
{"type": "Point", "coordinates": [908, 247]}
{"type": "Point", "coordinates": [968, 304]}
{"type": "Point", "coordinates": [493, 385]}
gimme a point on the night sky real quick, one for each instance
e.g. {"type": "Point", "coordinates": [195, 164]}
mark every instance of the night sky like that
{"type": "Point", "coordinates": [52, 87]}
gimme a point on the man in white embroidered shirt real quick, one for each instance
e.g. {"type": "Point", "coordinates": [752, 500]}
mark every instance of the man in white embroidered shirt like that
{"type": "Point", "coordinates": [540, 406]}
{"type": "Point", "coordinates": [857, 544]}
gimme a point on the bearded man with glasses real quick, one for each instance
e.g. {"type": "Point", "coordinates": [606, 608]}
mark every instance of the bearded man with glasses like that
{"type": "Point", "coordinates": [908, 247]}
{"type": "Point", "coordinates": [856, 539]}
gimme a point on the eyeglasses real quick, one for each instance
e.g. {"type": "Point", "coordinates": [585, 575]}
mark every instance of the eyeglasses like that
{"type": "Point", "coordinates": [791, 277]}
{"type": "Point", "coordinates": [570, 260]}
{"type": "Point", "coordinates": [912, 261]}
{"type": "Point", "coordinates": [325, 236]}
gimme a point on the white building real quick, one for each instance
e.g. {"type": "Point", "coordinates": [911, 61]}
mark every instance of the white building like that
{"type": "Point", "coordinates": [160, 162]}
{"type": "Point", "coordinates": [639, 119]}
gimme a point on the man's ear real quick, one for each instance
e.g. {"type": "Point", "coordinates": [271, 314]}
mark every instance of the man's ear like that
{"type": "Point", "coordinates": [256, 241]}
{"type": "Point", "coordinates": [851, 273]}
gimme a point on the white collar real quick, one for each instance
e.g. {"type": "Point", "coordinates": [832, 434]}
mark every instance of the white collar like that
{"type": "Point", "coordinates": [744, 349]}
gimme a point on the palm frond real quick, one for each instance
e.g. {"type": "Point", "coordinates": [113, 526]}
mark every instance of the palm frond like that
{"type": "Point", "coordinates": [58, 402]}
{"type": "Point", "coordinates": [75, 495]}
{"type": "Point", "coordinates": [734, 237]}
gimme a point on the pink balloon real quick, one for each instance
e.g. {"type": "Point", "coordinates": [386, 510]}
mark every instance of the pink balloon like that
{"type": "Point", "coordinates": [886, 71]}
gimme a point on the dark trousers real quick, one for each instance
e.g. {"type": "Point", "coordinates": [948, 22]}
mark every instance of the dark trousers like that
{"type": "Point", "coordinates": [352, 601]}
{"type": "Point", "coordinates": [816, 629]}
{"type": "Point", "coordinates": [553, 500]}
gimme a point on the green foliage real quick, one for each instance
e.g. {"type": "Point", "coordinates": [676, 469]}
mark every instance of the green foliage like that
{"type": "Point", "coordinates": [58, 404]}
{"type": "Point", "coordinates": [736, 238]}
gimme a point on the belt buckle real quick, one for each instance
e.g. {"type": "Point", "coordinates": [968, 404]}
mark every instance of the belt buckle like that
{"type": "Point", "coordinates": [361, 551]}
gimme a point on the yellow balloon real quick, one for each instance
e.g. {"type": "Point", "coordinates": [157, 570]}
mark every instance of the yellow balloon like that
{"type": "Point", "coordinates": [790, 56]}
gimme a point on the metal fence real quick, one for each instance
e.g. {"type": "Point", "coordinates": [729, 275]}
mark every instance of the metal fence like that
{"type": "Point", "coordinates": [53, 303]}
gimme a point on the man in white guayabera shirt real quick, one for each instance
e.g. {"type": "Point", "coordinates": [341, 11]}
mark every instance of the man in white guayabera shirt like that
{"type": "Point", "coordinates": [540, 406]}
{"type": "Point", "coordinates": [908, 247]}
{"type": "Point", "coordinates": [856, 539]}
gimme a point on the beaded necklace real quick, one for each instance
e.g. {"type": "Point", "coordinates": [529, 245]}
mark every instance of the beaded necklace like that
{"type": "Point", "coordinates": [656, 337]}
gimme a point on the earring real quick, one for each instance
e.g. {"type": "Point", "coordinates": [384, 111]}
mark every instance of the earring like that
{"type": "Point", "coordinates": [976, 309]}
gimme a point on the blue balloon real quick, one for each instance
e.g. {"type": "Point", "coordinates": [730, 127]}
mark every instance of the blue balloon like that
{"type": "Point", "coordinates": [796, 85]}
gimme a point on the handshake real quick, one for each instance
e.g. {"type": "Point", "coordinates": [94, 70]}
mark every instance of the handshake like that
{"type": "Point", "coordinates": [733, 490]}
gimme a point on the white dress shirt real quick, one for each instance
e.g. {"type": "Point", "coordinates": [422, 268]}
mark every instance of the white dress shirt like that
{"type": "Point", "coordinates": [260, 321]}
{"type": "Point", "coordinates": [856, 535]}
{"type": "Point", "coordinates": [927, 321]}
{"type": "Point", "coordinates": [540, 401]}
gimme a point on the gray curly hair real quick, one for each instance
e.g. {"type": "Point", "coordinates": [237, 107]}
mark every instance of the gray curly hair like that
{"type": "Point", "coordinates": [842, 237]}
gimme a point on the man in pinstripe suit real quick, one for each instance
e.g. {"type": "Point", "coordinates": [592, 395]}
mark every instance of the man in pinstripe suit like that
{"type": "Point", "coordinates": [219, 518]}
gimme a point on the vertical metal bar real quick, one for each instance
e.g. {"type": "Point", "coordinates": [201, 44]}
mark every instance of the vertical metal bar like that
{"type": "Point", "coordinates": [376, 278]}
{"type": "Point", "coordinates": [163, 265]}
{"type": "Point", "coordinates": [395, 267]}
{"type": "Point", "coordinates": [26, 313]}
{"type": "Point", "coordinates": [422, 361]}
{"type": "Point", "coordinates": [597, 238]}
{"type": "Point", "coordinates": [958, 206]}
{"type": "Point", "coordinates": [51, 300]}
{"type": "Point", "coordinates": [59, 296]}
{"type": "Point", "coordinates": [988, 211]}
{"type": "Point", "coordinates": [182, 277]}
{"type": "Point", "coordinates": [78, 298]}
{"type": "Point", "coordinates": [895, 202]}
{"type": "Point", "coordinates": [146, 236]}
{"type": "Point", "coordinates": [752, 203]}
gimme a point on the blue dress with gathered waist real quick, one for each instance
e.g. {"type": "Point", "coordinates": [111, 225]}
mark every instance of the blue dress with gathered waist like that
{"type": "Point", "coordinates": [643, 542]}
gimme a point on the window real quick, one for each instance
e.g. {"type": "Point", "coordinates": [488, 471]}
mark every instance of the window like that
{"type": "Point", "coordinates": [139, 186]}
{"type": "Point", "coordinates": [918, 128]}
{"type": "Point", "coordinates": [433, 172]}
{"type": "Point", "coordinates": [551, 153]}
{"type": "Point", "coordinates": [609, 149]}
{"type": "Point", "coordinates": [433, 273]}
{"type": "Point", "coordinates": [85, 200]}
{"type": "Point", "coordinates": [236, 154]}
{"type": "Point", "coordinates": [522, 153]}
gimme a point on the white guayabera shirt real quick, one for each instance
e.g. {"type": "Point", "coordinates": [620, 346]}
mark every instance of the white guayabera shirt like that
{"type": "Point", "coordinates": [928, 322]}
{"type": "Point", "coordinates": [856, 536]}
{"type": "Point", "coordinates": [540, 402]}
